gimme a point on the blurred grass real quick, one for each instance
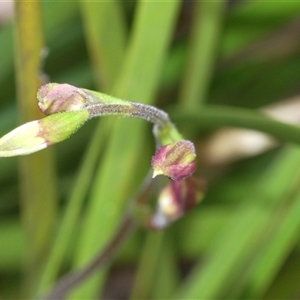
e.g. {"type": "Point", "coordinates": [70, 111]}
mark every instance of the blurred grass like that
{"type": "Point", "coordinates": [201, 53]}
{"type": "Point", "coordinates": [109, 11]}
{"type": "Point", "coordinates": [213, 71]}
{"type": "Point", "coordinates": [36, 173]}
{"type": "Point", "coordinates": [245, 234]}
{"type": "Point", "coordinates": [137, 80]}
{"type": "Point", "coordinates": [214, 116]}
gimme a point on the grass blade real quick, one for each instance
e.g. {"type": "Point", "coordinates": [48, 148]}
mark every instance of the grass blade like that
{"type": "Point", "coordinates": [246, 231]}
{"type": "Point", "coordinates": [37, 175]}
{"type": "Point", "coordinates": [106, 47]}
{"type": "Point", "coordinates": [96, 32]}
{"type": "Point", "coordinates": [138, 80]}
{"type": "Point", "coordinates": [214, 116]}
{"type": "Point", "coordinates": [200, 60]}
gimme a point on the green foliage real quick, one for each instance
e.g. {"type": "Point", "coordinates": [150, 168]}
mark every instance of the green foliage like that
{"type": "Point", "coordinates": [210, 66]}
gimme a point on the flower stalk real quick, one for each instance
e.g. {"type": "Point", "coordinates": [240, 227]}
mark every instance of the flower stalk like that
{"type": "Point", "coordinates": [68, 108]}
{"type": "Point", "coordinates": [54, 97]}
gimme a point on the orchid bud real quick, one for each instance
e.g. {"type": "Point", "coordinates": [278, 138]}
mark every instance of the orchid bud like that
{"type": "Point", "coordinates": [39, 134]}
{"type": "Point", "coordinates": [175, 160]}
{"type": "Point", "coordinates": [54, 97]}
{"type": "Point", "coordinates": [177, 198]}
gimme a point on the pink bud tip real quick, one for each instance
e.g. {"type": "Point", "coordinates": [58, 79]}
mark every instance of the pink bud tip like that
{"type": "Point", "coordinates": [176, 160]}
{"type": "Point", "coordinates": [54, 97]}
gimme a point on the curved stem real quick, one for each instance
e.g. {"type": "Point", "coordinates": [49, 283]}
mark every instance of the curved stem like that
{"type": "Point", "coordinates": [164, 130]}
{"type": "Point", "coordinates": [54, 98]}
{"type": "Point", "coordinates": [126, 227]}
{"type": "Point", "coordinates": [99, 104]}
{"type": "Point", "coordinates": [70, 281]}
{"type": "Point", "coordinates": [130, 109]}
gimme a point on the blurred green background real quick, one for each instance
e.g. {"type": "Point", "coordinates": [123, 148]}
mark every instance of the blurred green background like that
{"type": "Point", "coordinates": [212, 66]}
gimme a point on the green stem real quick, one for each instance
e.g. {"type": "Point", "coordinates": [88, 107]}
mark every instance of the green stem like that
{"type": "Point", "coordinates": [73, 209]}
{"type": "Point", "coordinates": [37, 184]}
{"type": "Point", "coordinates": [70, 281]}
{"type": "Point", "coordinates": [214, 116]}
{"type": "Point", "coordinates": [138, 80]}
{"type": "Point", "coordinates": [101, 43]}
{"type": "Point", "coordinates": [54, 98]}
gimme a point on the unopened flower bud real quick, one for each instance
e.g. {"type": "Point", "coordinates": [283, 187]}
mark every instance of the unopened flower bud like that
{"type": "Point", "coordinates": [39, 134]}
{"type": "Point", "coordinates": [177, 198]}
{"type": "Point", "coordinates": [175, 160]}
{"type": "Point", "coordinates": [54, 97]}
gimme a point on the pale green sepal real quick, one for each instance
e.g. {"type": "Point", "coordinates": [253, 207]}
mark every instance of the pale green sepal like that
{"type": "Point", "coordinates": [22, 140]}
{"type": "Point", "coordinates": [39, 134]}
{"type": "Point", "coordinates": [59, 126]}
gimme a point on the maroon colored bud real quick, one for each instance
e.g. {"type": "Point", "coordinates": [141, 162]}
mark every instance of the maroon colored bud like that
{"type": "Point", "coordinates": [177, 198]}
{"type": "Point", "coordinates": [176, 160]}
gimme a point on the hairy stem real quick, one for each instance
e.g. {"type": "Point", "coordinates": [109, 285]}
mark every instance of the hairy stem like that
{"type": "Point", "coordinates": [164, 131]}
{"type": "Point", "coordinates": [136, 110]}
{"type": "Point", "coordinates": [54, 97]}
{"type": "Point", "coordinates": [99, 104]}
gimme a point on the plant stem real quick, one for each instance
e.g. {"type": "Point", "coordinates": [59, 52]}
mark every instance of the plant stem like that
{"type": "Point", "coordinates": [70, 281]}
{"type": "Point", "coordinates": [72, 212]}
{"type": "Point", "coordinates": [138, 79]}
{"type": "Point", "coordinates": [96, 17]}
{"type": "Point", "coordinates": [99, 104]}
{"type": "Point", "coordinates": [38, 192]}
{"type": "Point", "coordinates": [164, 131]}
{"type": "Point", "coordinates": [214, 116]}
{"type": "Point", "coordinates": [135, 110]}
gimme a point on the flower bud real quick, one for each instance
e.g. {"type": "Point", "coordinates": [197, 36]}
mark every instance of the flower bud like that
{"type": "Point", "coordinates": [54, 97]}
{"type": "Point", "coordinates": [175, 160]}
{"type": "Point", "coordinates": [39, 134]}
{"type": "Point", "coordinates": [177, 198]}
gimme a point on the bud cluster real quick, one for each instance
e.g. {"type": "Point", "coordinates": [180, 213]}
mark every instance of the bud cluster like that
{"type": "Point", "coordinates": [68, 107]}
